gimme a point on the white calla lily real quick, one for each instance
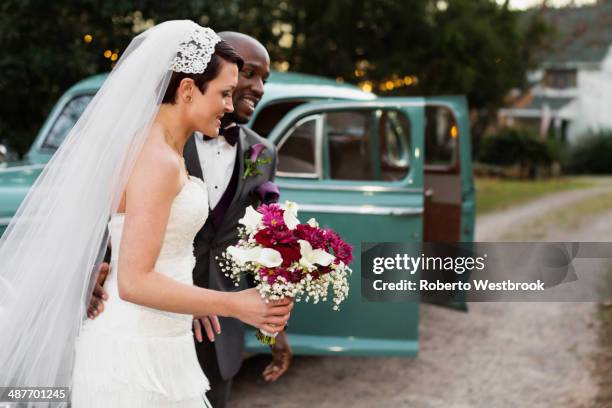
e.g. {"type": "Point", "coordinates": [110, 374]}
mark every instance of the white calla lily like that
{"type": "Point", "coordinates": [311, 257]}
{"type": "Point", "coordinates": [313, 223]}
{"type": "Point", "coordinates": [292, 206]}
{"type": "Point", "coordinates": [267, 257]}
{"type": "Point", "coordinates": [290, 220]}
{"type": "Point", "coordinates": [270, 258]}
{"type": "Point", "coordinates": [290, 215]}
{"type": "Point", "coordinates": [251, 220]}
{"type": "Point", "coordinates": [244, 255]}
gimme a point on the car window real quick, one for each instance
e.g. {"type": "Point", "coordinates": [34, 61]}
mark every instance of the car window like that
{"type": "Point", "coordinates": [352, 156]}
{"type": "Point", "coordinates": [394, 130]}
{"type": "Point", "coordinates": [441, 137]}
{"type": "Point", "coordinates": [271, 114]}
{"type": "Point", "coordinates": [66, 120]}
{"type": "Point", "coordinates": [297, 150]}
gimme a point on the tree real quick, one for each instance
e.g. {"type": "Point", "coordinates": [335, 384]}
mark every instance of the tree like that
{"type": "Point", "coordinates": [45, 51]}
{"type": "Point", "coordinates": [473, 47]}
{"type": "Point", "coordinates": [396, 47]}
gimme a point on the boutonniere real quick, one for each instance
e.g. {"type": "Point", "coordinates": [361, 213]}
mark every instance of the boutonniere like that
{"type": "Point", "coordinates": [252, 160]}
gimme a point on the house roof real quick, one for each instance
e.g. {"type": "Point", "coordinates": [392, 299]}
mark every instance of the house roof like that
{"type": "Point", "coordinates": [582, 35]}
{"type": "Point", "coordinates": [530, 106]}
{"type": "Point", "coordinates": [553, 103]}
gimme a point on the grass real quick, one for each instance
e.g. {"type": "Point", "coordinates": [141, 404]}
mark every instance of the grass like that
{"type": "Point", "coordinates": [495, 195]}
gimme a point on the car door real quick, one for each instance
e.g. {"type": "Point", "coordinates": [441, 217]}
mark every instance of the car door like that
{"type": "Point", "coordinates": [449, 190]}
{"type": "Point", "coordinates": [357, 168]}
{"type": "Point", "coordinates": [448, 182]}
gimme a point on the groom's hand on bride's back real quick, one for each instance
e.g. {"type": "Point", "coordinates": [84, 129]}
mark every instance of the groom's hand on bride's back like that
{"type": "Point", "coordinates": [210, 324]}
{"type": "Point", "coordinates": [96, 304]}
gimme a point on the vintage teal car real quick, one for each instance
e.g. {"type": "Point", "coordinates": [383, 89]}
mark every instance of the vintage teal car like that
{"type": "Point", "coordinates": [374, 169]}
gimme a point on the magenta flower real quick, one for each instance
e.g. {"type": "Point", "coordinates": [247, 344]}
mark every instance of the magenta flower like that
{"type": "Point", "coordinates": [284, 273]}
{"type": "Point", "coordinates": [315, 236]}
{"type": "Point", "coordinates": [295, 277]}
{"type": "Point", "coordinates": [268, 274]}
{"type": "Point", "coordinates": [342, 250]}
{"type": "Point", "coordinates": [272, 215]}
{"type": "Point", "coordinates": [283, 235]}
{"type": "Point", "coordinates": [255, 151]}
{"type": "Point", "coordinates": [324, 269]}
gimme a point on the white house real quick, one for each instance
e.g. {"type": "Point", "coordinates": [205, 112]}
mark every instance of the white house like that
{"type": "Point", "coordinates": [572, 91]}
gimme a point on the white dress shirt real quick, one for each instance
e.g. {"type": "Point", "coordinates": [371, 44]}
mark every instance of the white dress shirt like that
{"type": "Point", "coordinates": [217, 159]}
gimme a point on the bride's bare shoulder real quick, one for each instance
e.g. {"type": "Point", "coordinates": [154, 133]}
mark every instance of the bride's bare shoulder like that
{"type": "Point", "coordinates": [158, 165]}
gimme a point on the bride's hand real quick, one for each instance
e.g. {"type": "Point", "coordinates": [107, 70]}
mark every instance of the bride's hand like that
{"type": "Point", "coordinates": [211, 326]}
{"type": "Point", "coordinates": [270, 316]}
{"type": "Point", "coordinates": [96, 304]}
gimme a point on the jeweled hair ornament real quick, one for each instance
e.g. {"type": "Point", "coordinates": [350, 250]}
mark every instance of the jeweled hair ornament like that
{"type": "Point", "coordinates": [195, 52]}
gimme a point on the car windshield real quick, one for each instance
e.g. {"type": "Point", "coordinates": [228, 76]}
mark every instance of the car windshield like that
{"type": "Point", "coordinates": [65, 121]}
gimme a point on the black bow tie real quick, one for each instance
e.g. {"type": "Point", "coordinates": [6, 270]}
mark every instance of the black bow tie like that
{"type": "Point", "coordinates": [230, 134]}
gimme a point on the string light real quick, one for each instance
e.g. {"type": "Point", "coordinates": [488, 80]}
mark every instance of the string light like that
{"type": "Point", "coordinates": [282, 66]}
{"type": "Point", "coordinates": [397, 82]}
{"type": "Point", "coordinates": [388, 84]}
{"type": "Point", "coordinates": [87, 38]}
{"type": "Point", "coordinates": [366, 86]}
{"type": "Point", "coordinates": [108, 53]}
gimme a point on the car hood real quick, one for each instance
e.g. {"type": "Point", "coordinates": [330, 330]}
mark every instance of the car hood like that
{"type": "Point", "coordinates": [15, 181]}
{"type": "Point", "coordinates": [19, 173]}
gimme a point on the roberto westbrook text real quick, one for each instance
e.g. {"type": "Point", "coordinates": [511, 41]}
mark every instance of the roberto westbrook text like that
{"type": "Point", "coordinates": [477, 284]}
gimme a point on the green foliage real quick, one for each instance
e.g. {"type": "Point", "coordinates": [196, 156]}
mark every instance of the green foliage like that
{"type": "Point", "coordinates": [472, 47]}
{"type": "Point", "coordinates": [523, 147]}
{"type": "Point", "coordinates": [43, 53]}
{"type": "Point", "coordinates": [592, 154]}
{"type": "Point", "coordinates": [559, 151]}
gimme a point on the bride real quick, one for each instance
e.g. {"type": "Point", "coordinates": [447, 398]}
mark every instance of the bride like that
{"type": "Point", "coordinates": [124, 157]}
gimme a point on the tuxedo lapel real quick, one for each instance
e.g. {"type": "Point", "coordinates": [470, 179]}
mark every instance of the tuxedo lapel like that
{"type": "Point", "coordinates": [192, 160]}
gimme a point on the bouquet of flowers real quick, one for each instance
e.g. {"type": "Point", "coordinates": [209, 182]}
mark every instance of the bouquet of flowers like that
{"type": "Point", "coordinates": [287, 258]}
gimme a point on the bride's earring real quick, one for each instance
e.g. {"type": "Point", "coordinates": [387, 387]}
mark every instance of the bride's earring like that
{"type": "Point", "coordinates": [188, 98]}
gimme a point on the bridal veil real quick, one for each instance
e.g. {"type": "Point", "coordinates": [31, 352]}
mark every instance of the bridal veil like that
{"type": "Point", "coordinates": [55, 242]}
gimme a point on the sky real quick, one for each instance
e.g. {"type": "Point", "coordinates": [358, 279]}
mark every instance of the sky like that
{"type": "Point", "coordinates": [524, 4]}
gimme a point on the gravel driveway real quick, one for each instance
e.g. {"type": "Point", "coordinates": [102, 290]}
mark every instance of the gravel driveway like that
{"type": "Point", "coordinates": [497, 355]}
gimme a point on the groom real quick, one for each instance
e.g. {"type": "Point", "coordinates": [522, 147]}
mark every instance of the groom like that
{"type": "Point", "coordinates": [222, 163]}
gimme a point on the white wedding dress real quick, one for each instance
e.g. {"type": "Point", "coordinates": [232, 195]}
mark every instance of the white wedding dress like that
{"type": "Point", "coordinates": [134, 356]}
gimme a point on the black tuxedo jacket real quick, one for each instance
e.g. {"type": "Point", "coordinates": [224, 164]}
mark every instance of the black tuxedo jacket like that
{"type": "Point", "coordinates": [212, 240]}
